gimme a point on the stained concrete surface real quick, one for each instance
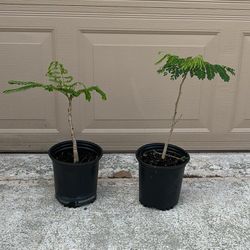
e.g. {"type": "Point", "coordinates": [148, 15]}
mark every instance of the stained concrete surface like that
{"type": "Point", "coordinates": [213, 212]}
{"type": "Point", "coordinates": [33, 166]}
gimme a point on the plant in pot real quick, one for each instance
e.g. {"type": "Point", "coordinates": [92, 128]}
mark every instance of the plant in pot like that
{"type": "Point", "coordinates": [161, 165]}
{"type": "Point", "coordinates": [75, 162]}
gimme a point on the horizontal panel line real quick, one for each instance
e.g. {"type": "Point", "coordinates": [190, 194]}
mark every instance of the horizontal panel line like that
{"type": "Point", "coordinates": [26, 29]}
{"type": "Point", "coordinates": [149, 31]}
{"type": "Point", "coordinates": [29, 131]}
{"type": "Point", "coordinates": [188, 4]}
{"type": "Point", "coordinates": [20, 119]}
{"type": "Point", "coordinates": [138, 45]}
{"type": "Point", "coordinates": [240, 130]}
{"type": "Point", "coordinates": [111, 15]}
{"type": "Point", "coordinates": [143, 131]}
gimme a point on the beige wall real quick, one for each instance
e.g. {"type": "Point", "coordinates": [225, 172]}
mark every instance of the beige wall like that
{"type": "Point", "coordinates": [115, 44]}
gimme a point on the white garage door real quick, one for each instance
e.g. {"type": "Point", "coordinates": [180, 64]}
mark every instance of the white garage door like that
{"type": "Point", "coordinates": [115, 44]}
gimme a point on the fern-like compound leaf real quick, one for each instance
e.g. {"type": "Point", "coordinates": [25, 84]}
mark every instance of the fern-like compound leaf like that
{"type": "Point", "coordinates": [61, 82]}
{"type": "Point", "coordinates": [176, 67]}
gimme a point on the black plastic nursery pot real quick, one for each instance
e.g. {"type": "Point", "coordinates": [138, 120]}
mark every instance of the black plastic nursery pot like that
{"type": "Point", "coordinates": [159, 187]}
{"type": "Point", "coordinates": [75, 183]}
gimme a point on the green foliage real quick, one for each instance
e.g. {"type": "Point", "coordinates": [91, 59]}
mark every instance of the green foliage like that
{"type": "Point", "coordinates": [176, 67]}
{"type": "Point", "coordinates": [61, 81]}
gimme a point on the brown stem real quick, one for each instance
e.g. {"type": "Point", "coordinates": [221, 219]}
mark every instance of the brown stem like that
{"type": "Point", "coordinates": [173, 121]}
{"type": "Point", "coordinates": [72, 132]}
{"type": "Point", "coordinates": [172, 156]}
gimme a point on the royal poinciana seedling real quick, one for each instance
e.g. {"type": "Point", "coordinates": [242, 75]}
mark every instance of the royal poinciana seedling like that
{"type": "Point", "coordinates": [62, 82]}
{"type": "Point", "coordinates": [177, 67]}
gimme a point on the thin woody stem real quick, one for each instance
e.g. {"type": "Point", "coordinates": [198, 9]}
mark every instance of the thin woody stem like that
{"type": "Point", "coordinates": [75, 151]}
{"type": "Point", "coordinates": [173, 121]}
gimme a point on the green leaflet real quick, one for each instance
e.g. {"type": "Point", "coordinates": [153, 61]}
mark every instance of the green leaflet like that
{"type": "Point", "coordinates": [200, 74]}
{"type": "Point", "coordinates": [222, 72]}
{"type": "Point", "coordinates": [19, 82]}
{"type": "Point", "coordinates": [99, 91]}
{"type": "Point", "coordinates": [8, 91]}
{"type": "Point", "coordinates": [210, 71]}
{"type": "Point", "coordinates": [232, 71]}
{"type": "Point", "coordinates": [58, 74]}
{"type": "Point", "coordinates": [87, 94]}
{"type": "Point", "coordinates": [161, 59]}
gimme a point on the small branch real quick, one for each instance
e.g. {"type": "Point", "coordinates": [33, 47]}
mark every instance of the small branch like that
{"type": "Point", "coordinates": [75, 151]}
{"type": "Point", "coordinates": [177, 120]}
{"type": "Point", "coordinates": [174, 120]}
{"type": "Point", "coordinates": [175, 157]}
{"type": "Point", "coordinates": [172, 156]}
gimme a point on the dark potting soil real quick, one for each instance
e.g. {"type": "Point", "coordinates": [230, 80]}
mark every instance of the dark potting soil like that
{"type": "Point", "coordinates": [84, 156]}
{"type": "Point", "coordinates": [153, 157]}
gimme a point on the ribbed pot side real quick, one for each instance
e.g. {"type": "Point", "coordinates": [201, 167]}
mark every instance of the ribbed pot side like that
{"type": "Point", "coordinates": [75, 183]}
{"type": "Point", "coordinates": [159, 187]}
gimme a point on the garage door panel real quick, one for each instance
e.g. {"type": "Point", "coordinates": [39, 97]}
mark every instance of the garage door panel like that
{"type": "Point", "coordinates": [241, 122]}
{"type": "Point", "coordinates": [123, 62]}
{"type": "Point", "coordinates": [25, 55]}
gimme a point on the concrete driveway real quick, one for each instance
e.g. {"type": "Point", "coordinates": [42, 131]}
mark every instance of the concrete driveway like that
{"type": "Point", "coordinates": [213, 211]}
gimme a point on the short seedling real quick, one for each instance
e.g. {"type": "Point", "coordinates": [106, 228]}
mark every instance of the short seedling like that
{"type": "Point", "coordinates": [62, 82]}
{"type": "Point", "coordinates": [177, 67]}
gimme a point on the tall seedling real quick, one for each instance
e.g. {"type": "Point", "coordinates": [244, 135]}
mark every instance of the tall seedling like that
{"type": "Point", "coordinates": [62, 82]}
{"type": "Point", "coordinates": [177, 67]}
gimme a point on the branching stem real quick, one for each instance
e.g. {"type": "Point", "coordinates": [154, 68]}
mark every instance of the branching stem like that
{"type": "Point", "coordinates": [72, 132]}
{"type": "Point", "coordinates": [174, 120]}
{"type": "Point", "coordinates": [171, 156]}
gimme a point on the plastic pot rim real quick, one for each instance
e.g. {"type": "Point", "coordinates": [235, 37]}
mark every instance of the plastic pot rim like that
{"type": "Point", "coordinates": [77, 164]}
{"type": "Point", "coordinates": [157, 145]}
